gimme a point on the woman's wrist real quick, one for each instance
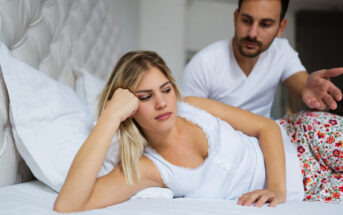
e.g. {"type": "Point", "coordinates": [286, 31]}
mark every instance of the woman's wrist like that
{"type": "Point", "coordinates": [110, 118]}
{"type": "Point", "coordinates": [110, 114]}
{"type": "Point", "coordinates": [277, 187]}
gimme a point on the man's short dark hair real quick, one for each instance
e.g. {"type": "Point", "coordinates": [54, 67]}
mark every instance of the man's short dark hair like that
{"type": "Point", "coordinates": [284, 7]}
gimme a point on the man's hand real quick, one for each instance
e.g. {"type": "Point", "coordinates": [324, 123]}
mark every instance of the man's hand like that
{"type": "Point", "coordinates": [260, 197]}
{"type": "Point", "coordinates": [320, 93]}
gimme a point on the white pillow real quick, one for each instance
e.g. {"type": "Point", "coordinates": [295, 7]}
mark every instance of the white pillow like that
{"type": "Point", "coordinates": [88, 87]}
{"type": "Point", "coordinates": [154, 193]}
{"type": "Point", "coordinates": [49, 121]}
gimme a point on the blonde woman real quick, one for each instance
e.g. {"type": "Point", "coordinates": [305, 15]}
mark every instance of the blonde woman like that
{"type": "Point", "coordinates": [197, 147]}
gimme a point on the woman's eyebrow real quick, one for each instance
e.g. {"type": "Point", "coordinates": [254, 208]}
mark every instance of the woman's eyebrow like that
{"type": "Point", "coordinates": [168, 82]}
{"type": "Point", "coordinates": [149, 91]}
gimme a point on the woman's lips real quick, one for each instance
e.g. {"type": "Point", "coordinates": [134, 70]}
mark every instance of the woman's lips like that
{"type": "Point", "coordinates": [163, 116]}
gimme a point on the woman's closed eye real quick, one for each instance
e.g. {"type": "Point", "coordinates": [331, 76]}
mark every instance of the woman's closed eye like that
{"type": "Point", "coordinates": [145, 98]}
{"type": "Point", "coordinates": [148, 96]}
{"type": "Point", "coordinates": [167, 90]}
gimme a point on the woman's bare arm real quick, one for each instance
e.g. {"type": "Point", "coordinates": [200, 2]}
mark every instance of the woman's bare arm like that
{"type": "Point", "coordinates": [82, 190]}
{"type": "Point", "coordinates": [111, 189]}
{"type": "Point", "coordinates": [270, 139]}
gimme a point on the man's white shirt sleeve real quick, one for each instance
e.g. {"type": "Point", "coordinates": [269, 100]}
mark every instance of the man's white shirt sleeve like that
{"type": "Point", "coordinates": [195, 81]}
{"type": "Point", "coordinates": [293, 64]}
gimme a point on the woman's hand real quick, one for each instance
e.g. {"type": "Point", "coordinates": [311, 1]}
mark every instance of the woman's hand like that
{"type": "Point", "coordinates": [260, 197]}
{"type": "Point", "coordinates": [123, 104]}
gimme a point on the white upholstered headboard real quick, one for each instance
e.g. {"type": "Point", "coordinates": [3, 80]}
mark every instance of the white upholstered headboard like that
{"type": "Point", "coordinates": [53, 36]}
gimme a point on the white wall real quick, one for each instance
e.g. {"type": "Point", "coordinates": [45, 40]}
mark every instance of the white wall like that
{"type": "Point", "coordinates": [157, 25]}
{"type": "Point", "coordinates": [162, 29]}
{"type": "Point", "coordinates": [289, 32]}
{"type": "Point", "coordinates": [207, 22]}
{"type": "Point", "coordinates": [126, 16]}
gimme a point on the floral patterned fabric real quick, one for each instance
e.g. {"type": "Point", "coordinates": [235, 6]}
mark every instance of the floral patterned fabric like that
{"type": "Point", "coordinates": [319, 142]}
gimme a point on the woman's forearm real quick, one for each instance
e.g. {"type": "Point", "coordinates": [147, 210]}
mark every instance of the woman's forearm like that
{"type": "Point", "coordinates": [80, 182]}
{"type": "Point", "coordinates": [271, 144]}
{"type": "Point", "coordinates": [82, 174]}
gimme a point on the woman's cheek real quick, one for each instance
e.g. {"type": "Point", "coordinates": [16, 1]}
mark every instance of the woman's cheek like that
{"type": "Point", "coordinates": [143, 111]}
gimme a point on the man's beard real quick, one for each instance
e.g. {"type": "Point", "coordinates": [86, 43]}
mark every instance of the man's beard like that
{"type": "Point", "coordinates": [241, 47]}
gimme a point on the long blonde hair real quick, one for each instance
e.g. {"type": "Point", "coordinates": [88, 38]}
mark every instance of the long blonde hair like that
{"type": "Point", "coordinates": [127, 74]}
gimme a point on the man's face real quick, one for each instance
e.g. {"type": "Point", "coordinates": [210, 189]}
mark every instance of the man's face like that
{"type": "Point", "coordinates": [256, 25]}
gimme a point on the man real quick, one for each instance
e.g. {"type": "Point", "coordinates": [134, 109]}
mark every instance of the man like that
{"type": "Point", "coordinates": [245, 71]}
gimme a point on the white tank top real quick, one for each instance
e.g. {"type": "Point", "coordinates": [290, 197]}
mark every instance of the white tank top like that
{"type": "Point", "coordinates": [233, 167]}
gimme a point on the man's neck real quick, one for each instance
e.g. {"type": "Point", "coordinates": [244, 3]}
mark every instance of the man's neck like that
{"type": "Point", "coordinates": [245, 63]}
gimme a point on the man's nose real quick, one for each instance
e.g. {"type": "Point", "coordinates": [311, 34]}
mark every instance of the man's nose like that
{"type": "Point", "coordinates": [253, 31]}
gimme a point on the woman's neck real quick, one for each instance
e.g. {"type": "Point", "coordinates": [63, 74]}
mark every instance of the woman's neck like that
{"type": "Point", "coordinates": [160, 141]}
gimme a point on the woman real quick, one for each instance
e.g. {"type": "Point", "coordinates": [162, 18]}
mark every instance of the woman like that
{"type": "Point", "coordinates": [180, 145]}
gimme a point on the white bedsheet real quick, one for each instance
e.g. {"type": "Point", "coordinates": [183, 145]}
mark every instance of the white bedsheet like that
{"type": "Point", "coordinates": [36, 198]}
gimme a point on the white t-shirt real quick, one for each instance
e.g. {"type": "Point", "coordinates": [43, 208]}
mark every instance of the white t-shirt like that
{"type": "Point", "coordinates": [214, 73]}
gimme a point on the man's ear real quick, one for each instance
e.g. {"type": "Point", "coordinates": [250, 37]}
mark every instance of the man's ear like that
{"type": "Point", "coordinates": [283, 24]}
{"type": "Point", "coordinates": [235, 15]}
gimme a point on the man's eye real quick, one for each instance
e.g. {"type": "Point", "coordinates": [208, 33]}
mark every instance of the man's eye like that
{"type": "Point", "coordinates": [247, 21]}
{"type": "Point", "coordinates": [265, 25]}
{"type": "Point", "coordinates": [144, 98]}
{"type": "Point", "coordinates": [166, 90]}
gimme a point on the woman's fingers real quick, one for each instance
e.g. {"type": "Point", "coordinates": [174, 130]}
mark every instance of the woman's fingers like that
{"type": "Point", "coordinates": [260, 197]}
{"type": "Point", "coordinates": [274, 203]}
{"type": "Point", "coordinates": [249, 198]}
{"type": "Point", "coordinates": [262, 200]}
{"type": "Point", "coordinates": [123, 103]}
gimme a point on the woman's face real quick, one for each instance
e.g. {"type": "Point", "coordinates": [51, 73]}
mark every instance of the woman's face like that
{"type": "Point", "coordinates": [157, 110]}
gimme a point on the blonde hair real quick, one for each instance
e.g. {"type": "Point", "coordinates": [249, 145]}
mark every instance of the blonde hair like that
{"type": "Point", "coordinates": [127, 74]}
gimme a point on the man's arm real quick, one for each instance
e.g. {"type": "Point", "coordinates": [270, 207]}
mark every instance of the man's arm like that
{"type": "Point", "coordinates": [297, 82]}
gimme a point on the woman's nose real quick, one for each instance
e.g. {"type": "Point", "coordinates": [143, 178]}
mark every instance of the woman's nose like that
{"type": "Point", "coordinates": [160, 102]}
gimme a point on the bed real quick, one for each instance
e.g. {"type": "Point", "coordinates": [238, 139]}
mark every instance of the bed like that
{"type": "Point", "coordinates": [36, 198]}
{"type": "Point", "coordinates": [55, 56]}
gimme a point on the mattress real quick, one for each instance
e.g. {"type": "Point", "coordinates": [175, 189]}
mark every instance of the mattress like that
{"type": "Point", "coordinates": [36, 198]}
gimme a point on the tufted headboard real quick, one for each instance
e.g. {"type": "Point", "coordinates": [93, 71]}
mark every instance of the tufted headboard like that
{"type": "Point", "coordinates": [53, 36]}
